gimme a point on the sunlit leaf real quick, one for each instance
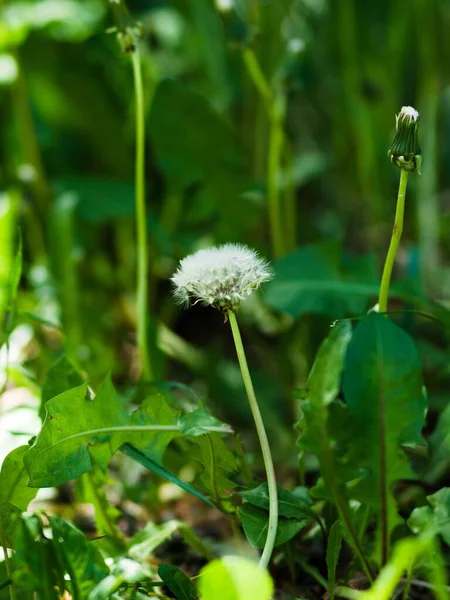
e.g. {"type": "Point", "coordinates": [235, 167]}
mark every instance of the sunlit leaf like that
{"type": "Point", "coordinates": [255, 522]}
{"type": "Point", "coordinates": [234, 578]}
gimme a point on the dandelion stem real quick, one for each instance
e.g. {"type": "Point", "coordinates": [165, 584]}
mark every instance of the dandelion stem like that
{"type": "Point", "coordinates": [395, 240]}
{"type": "Point", "coordinates": [265, 447]}
{"type": "Point", "coordinates": [141, 221]}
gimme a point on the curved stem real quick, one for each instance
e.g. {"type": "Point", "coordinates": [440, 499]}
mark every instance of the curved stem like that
{"type": "Point", "coordinates": [141, 221]}
{"type": "Point", "coordinates": [395, 240]}
{"type": "Point", "coordinates": [265, 447]}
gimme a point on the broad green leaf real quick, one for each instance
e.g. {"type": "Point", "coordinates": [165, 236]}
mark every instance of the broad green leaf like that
{"type": "Point", "coordinates": [154, 411]}
{"type": "Point", "coordinates": [256, 523]}
{"type": "Point", "coordinates": [15, 496]}
{"type": "Point", "coordinates": [56, 456]}
{"type": "Point", "coordinates": [434, 518]}
{"type": "Point", "coordinates": [290, 505]}
{"type": "Point", "coordinates": [334, 545]}
{"type": "Point", "coordinates": [312, 280]}
{"type": "Point", "coordinates": [322, 389]}
{"type": "Point", "coordinates": [178, 583]}
{"type": "Point", "coordinates": [383, 389]}
{"type": "Point", "coordinates": [217, 461]}
{"type": "Point", "coordinates": [34, 560]}
{"type": "Point", "coordinates": [194, 423]}
{"type": "Point", "coordinates": [234, 578]}
{"type": "Point", "coordinates": [75, 556]}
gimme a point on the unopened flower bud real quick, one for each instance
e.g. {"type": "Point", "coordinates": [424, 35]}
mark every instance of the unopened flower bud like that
{"type": "Point", "coordinates": [405, 151]}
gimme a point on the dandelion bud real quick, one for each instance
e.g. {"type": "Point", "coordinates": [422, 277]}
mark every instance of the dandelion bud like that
{"type": "Point", "coordinates": [221, 276]}
{"type": "Point", "coordinates": [405, 151]}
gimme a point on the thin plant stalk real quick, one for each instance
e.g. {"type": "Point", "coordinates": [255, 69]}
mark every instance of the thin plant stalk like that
{"type": "Point", "coordinates": [265, 447]}
{"type": "Point", "coordinates": [276, 142]}
{"type": "Point", "coordinates": [141, 222]}
{"type": "Point", "coordinates": [395, 240]}
{"type": "Point", "coordinates": [9, 572]}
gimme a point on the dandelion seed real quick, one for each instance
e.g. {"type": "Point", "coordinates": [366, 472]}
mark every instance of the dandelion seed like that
{"type": "Point", "coordinates": [221, 276]}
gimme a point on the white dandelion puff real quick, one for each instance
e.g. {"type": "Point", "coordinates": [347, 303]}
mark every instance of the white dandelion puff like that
{"type": "Point", "coordinates": [221, 276]}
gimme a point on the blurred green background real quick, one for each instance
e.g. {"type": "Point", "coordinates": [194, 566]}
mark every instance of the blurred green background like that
{"type": "Point", "coordinates": [250, 104]}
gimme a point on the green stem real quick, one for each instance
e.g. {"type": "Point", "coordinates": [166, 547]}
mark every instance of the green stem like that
{"type": "Point", "coordinates": [276, 142]}
{"type": "Point", "coordinates": [395, 240]}
{"type": "Point", "coordinates": [273, 190]}
{"type": "Point", "coordinates": [12, 587]}
{"type": "Point", "coordinates": [141, 221]}
{"type": "Point", "coordinates": [265, 447]}
{"type": "Point", "coordinates": [215, 493]}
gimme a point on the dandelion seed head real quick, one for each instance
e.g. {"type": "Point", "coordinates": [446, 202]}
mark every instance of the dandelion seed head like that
{"type": "Point", "coordinates": [221, 276]}
{"type": "Point", "coordinates": [409, 113]}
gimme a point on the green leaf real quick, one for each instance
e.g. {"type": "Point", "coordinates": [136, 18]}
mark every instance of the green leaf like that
{"type": "Point", "coordinates": [334, 545]}
{"type": "Point", "coordinates": [256, 523]}
{"type": "Point", "coordinates": [8, 270]}
{"type": "Point", "coordinates": [62, 376]}
{"type": "Point", "coordinates": [178, 583]}
{"type": "Point", "coordinates": [383, 389]}
{"type": "Point", "coordinates": [234, 578]}
{"type": "Point", "coordinates": [34, 561]}
{"type": "Point", "coordinates": [312, 280]}
{"type": "Point", "coordinates": [15, 496]}
{"type": "Point", "coordinates": [217, 461]}
{"type": "Point", "coordinates": [435, 518]}
{"type": "Point", "coordinates": [290, 505]}
{"type": "Point", "coordinates": [194, 423]}
{"type": "Point", "coordinates": [56, 457]}
{"type": "Point", "coordinates": [322, 389]}
{"type": "Point", "coordinates": [75, 556]}
{"type": "Point", "coordinates": [154, 411]}
{"type": "Point", "coordinates": [140, 457]}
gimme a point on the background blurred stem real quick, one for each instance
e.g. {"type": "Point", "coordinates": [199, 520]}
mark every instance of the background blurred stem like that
{"type": "Point", "coordinates": [141, 221]}
{"type": "Point", "coordinates": [27, 135]}
{"type": "Point", "coordinates": [275, 110]}
{"type": "Point", "coordinates": [428, 101]}
{"type": "Point", "coordinates": [395, 240]}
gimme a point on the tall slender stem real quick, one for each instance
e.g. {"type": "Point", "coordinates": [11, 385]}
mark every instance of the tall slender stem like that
{"type": "Point", "coordinates": [265, 447]}
{"type": "Point", "coordinates": [9, 571]}
{"type": "Point", "coordinates": [141, 221]}
{"type": "Point", "coordinates": [275, 109]}
{"type": "Point", "coordinates": [395, 240]}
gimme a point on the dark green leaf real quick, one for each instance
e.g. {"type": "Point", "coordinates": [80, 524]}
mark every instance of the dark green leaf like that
{"type": "Point", "coordinates": [383, 389]}
{"type": "Point", "coordinates": [75, 556]}
{"type": "Point", "coordinates": [290, 505]}
{"type": "Point", "coordinates": [35, 566]}
{"type": "Point", "coordinates": [217, 461]}
{"type": "Point", "coordinates": [256, 523]}
{"type": "Point", "coordinates": [207, 155]}
{"type": "Point", "coordinates": [178, 583]}
{"type": "Point", "coordinates": [140, 457]}
{"type": "Point", "coordinates": [333, 550]}
{"type": "Point", "coordinates": [312, 280]}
